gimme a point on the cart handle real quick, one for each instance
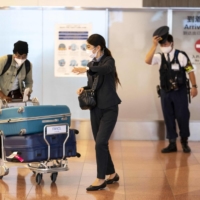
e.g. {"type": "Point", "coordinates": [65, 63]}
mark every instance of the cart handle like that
{"type": "Point", "coordinates": [45, 133]}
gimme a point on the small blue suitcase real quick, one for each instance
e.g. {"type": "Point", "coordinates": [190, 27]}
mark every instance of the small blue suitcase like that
{"type": "Point", "coordinates": [33, 148]}
{"type": "Point", "coordinates": [32, 119]}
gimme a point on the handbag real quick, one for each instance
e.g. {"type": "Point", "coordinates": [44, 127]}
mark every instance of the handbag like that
{"type": "Point", "coordinates": [87, 99]}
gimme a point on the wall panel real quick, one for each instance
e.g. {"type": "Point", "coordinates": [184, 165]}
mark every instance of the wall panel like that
{"type": "Point", "coordinates": [171, 3]}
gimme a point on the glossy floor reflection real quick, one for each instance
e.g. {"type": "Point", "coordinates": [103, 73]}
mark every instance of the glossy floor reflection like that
{"type": "Point", "coordinates": [145, 174]}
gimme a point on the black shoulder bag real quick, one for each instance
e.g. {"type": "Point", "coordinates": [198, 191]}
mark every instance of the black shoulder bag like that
{"type": "Point", "coordinates": [87, 99]}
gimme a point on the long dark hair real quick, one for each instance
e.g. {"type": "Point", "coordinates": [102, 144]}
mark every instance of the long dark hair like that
{"type": "Point", "coordinates": [96, 40]}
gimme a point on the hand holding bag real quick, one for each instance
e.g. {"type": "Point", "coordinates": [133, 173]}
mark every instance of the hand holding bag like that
{"type": "Point", "coordinates": [87, 99]}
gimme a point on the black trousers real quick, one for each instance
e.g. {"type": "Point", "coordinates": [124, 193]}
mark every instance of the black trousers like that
{"type": "Point", "coordinates": [103, 122]}
{"type": "Point", "coordinates": [175, 107]}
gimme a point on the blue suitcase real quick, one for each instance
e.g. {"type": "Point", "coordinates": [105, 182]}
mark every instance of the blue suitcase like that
{"type": "Point", "coordinates": [33, 148]}
{"type": "Point", "coordinates": [32, 119]}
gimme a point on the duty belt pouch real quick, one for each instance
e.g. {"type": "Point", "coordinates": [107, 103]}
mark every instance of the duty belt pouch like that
{"type": "Point", "coordinates": [188, 89]}
{"type": "Point", "coordinates": [158, 89]}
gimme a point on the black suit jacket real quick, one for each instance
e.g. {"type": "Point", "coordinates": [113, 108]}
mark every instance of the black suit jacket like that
{"type": "Point", "coordinates": [106, 90]}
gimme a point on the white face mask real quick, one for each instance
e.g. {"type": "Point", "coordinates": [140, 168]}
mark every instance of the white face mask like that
{"type": "Point", "coordinates": [20, 61]}
{"type": "Point", "coordinates": [91, 54]}
{"type": "Point", "coordinates": [166, 49]}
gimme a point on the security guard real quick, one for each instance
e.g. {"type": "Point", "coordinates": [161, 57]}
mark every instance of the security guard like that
{"type": "Point", "coordinates": [173, 67]}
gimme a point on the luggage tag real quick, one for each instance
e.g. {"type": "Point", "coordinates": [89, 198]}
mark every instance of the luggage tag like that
{"type": "Point", "coordinates": [14, 155]}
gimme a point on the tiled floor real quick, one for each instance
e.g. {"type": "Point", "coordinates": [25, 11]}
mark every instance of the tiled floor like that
{"type": "Point", "coordinates": [145, 174]}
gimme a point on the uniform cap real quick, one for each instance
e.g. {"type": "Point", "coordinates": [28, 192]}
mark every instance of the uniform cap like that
{"type": "Point", "coordinates": [162, 32]}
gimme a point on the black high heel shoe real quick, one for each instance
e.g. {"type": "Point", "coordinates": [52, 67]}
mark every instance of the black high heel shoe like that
{"type": "Point", "coordinates": [94, 188]}
{"type": "Point", "coordinates": [110, 181]}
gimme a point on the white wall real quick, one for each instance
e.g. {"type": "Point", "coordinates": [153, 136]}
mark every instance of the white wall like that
{"type": "Point", "coordinates": [70, 3]}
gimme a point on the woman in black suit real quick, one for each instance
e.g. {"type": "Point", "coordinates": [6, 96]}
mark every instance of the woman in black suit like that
{"type": "Point", "coordinates": [104, 115]}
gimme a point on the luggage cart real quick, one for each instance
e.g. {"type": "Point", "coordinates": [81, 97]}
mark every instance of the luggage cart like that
{"type": "Point", "coordinates": [51, 166]}
{"type": "Point", "coordinates": [4, 170]}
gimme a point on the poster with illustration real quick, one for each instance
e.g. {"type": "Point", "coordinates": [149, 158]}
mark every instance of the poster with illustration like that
{"type": "Point", "coordinates": [70, 48]}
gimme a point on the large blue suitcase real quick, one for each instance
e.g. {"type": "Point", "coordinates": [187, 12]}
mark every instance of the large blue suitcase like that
{"type": "Point", "coordinates": [33, 148]}
{"type": "Point", "coordinates": [32, 119]}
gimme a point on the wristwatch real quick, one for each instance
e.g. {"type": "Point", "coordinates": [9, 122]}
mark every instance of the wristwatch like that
{"type": "Point", "coordinates": [195, 86]}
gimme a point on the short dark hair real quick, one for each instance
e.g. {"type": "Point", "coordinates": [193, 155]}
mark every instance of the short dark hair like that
{"type": "Point", "coordinates": [20, 47]}
{"type": "Point", "coordinates": [170, 38]}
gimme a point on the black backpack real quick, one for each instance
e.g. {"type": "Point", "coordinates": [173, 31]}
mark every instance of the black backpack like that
{"type": "Point", "coordinates": [8, 63]}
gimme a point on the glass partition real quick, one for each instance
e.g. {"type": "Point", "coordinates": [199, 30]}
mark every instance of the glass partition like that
{"type": "Point", "coordinates": [130, 38]}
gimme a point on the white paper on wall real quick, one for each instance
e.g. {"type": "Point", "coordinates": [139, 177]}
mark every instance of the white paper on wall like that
{"type": "Point", "coordinates": [70, 48]}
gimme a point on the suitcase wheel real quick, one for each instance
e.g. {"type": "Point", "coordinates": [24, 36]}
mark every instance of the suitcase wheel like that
{"type": "Point", "coordinates": [75, 131]}
{"type": "Point", "coordinates": [54, 177]}
{"type": "Point", "coordinates": [38, 178]}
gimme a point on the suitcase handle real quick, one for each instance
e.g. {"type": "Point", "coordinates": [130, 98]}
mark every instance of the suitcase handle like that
{"type": "Point", "coordinates": [22, 132]}
{"type": "Point", "coordinates": [20, 110]}
{"type": "Point", "coordinates": [45, 133]}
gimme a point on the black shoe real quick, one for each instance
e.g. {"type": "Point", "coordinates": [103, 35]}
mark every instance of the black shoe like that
{"type": "Point", "coordinates": [184, 143]}
{"type": "Point", "coordinates": [186, 148]}
{"type": "Point", "coordinates": [110, 181]}
{"type": "Point", "coordinates": [170, 148]}
{"type": "Point", "coordinates": [94, 188]}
